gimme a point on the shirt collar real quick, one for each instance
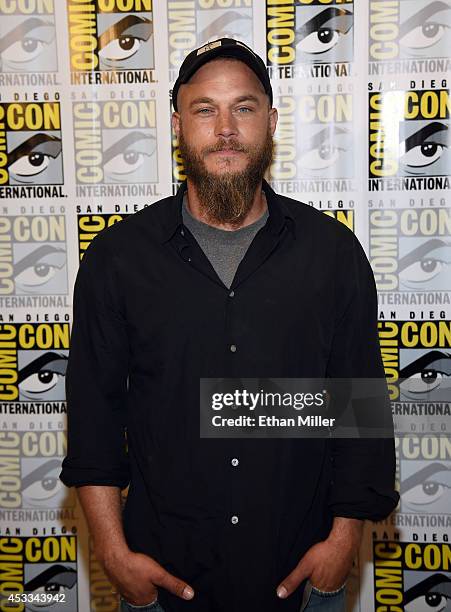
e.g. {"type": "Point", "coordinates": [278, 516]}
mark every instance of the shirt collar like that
{"type": "Point", "coordinates": [278, 213]}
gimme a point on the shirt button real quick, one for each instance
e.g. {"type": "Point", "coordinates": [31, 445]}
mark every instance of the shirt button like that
{"type": "Point", "coordinates": [233, 348]}
{"type": "Point", "coordinates": [182, 232]}
{"type": "Point", "coordinates": [232, 293]}
{"type": "Point", "coordinates": [234, 519]}
{"type": "Point", "coordinates": [234, 461]}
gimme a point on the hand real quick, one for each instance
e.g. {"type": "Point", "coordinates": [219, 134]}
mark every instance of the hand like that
{"type": "Point", "coordinates": [136, 577]}
{"type": "Point", "coordinates": [327, 564]}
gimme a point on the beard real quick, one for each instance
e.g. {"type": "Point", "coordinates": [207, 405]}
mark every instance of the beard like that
{"type": "Point", "coordinates": [227, 197]}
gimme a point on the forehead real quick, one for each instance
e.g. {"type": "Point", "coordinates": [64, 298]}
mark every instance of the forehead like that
{"type": "Point", "coordinates": [224, 73]}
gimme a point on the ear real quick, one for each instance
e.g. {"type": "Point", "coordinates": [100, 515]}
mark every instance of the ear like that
{"type": "Point", "coordinates": [273, 117]}
{"type": "Point", "coordinates": [175, 121]}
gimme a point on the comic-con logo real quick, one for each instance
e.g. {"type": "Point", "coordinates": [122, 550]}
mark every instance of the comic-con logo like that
{"type": "Point", "coordinates": [30, 149]}
{"type": "Point", "coordinates": [34, 255]}
{"type": "Point", "coordinates": [314, 143]}
{"type": "Point", "coordinates": [90, 225]}
{"type": "Point", "coordinates": [414, 33]}
{"type": "Point", "coordinates": [409, 138]}
{"type": "Point", "coordinates": [28, 37]}
{"type": "Point", "coordinates": [410, 249]}
{"type": "Point", "coordinates": [43, 567]}
{"type": "Point", "coordinates": [195, 22]}
{"type": "Point", "coordinates": [29, 471]}
{"type": "Point", "coordinates": [115, 143]}
{"type": "Point", "coordinates": [34, 361]}
{"type": "Point", "coordinates": [417, 364]}
{"type": "Point", "coordinates": [314, 35]}
{"type": "Point", "coordinates": [411, 576]}
{"type": "Point", "coordinates": [424, 474]}
{"type": "Point", "coordinates": [111, 41]}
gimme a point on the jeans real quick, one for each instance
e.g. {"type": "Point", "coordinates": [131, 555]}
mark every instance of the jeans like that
{"type": "Point", "coordinates": [152, 607]}
{"type": "Point", "coordinates": [319, 601]}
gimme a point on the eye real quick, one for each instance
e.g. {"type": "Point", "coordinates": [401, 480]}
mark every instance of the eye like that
{"type": "Point", "coordinates": [424, 36]}
{"type": "Point", "coordinates": [38, 274]}
{"type": "Point", "coordinates": [425, 493]}
{"type": "Point", "coordinates": [430, 601]}
{"type": "Point", "coordinates": [24, 50]}
{"type": "Point", "coordinates": [121, 48]}
{"type": "Point", "coordinates": [322, 157]}
{"type": "Point", "coordinates": [423, 155]}
{"type": "Point", "coordinates": [50, 587]}
{"type": "Point", "coordinates": [424, 381]}
{"type": "Point", "coordinates": [423, 270]}
{"type": "Point", "coordinates": [40, 382]}
{"type": "Point", "coordinates": [320, 41]}
{"type": "Point", "coordinates": [30, 165]}
{"type": "Point", "coordinates": [125, 163]}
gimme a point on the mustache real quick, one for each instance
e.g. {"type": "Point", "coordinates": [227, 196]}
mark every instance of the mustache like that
{"type": "Point", "coordinates": [225, 145]}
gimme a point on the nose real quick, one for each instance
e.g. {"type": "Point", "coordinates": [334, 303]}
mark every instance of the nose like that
{"type": "Point", "coordinates": [225, 124]}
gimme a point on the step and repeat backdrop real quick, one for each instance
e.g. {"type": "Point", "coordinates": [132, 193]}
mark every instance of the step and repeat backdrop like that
{"type": "Point", "coordinates": [364, 135]}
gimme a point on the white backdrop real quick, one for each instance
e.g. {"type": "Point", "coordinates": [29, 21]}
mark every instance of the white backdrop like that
{"type": "Point", "coordinates": [85, 139]}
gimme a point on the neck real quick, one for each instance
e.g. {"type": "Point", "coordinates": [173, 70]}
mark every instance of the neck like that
{"type": "Point", "coordinates": [256, 211]}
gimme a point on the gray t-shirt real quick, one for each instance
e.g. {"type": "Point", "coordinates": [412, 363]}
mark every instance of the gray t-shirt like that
{"type": "Point", "coordinates": [225, 249]}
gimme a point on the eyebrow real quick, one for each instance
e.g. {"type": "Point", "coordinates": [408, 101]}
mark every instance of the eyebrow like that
{"type": "Point", "coordinates": [39, 472]}
{"type": "Point", "coordinates": [35, 255]}
{"type": "Point", "coordinates": [123, 143]}
{"type": "Point", "coordinates": [420, 136]}
{"type": "Point", "coordinates": [422, 362]}
{"type": "Point", "coordinates": [55, 574]}
{"type": "Point", "coordinates": [422, 475]}
{"type": "Point", "coordinates": [421, 251]}
{"type": "Point", "coordinates": [318, 20]}
{"type": "Point", "coordinates": [419, 18]}
{"type": "Point", "coordinates": [206, 100]}
{"type": "Point", "coordinates": [221, 22]}
{"type": "Point", "coordinates": [21, 30]}
{"type": "Point", "coordinates": [118, 29]}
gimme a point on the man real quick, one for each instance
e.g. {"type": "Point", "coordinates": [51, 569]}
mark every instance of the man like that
{"type": "Point", "coordinates": [226, 279]}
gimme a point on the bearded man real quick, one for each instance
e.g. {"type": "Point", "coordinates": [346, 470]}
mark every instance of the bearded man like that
{"type": "Point", "coordinates": [225, 279]}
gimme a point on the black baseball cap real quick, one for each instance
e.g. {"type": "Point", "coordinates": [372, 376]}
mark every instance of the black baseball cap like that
{"type": "Point", "coordinates": [224, 47]}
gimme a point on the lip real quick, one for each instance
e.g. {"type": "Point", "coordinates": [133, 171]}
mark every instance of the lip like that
{"type": "Point", "coordinates": [227, 152]}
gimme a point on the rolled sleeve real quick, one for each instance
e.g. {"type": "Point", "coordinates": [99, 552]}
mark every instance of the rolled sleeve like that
{"type": "Point", "coordinates": [96, 377]}
{"type": "Point", "coordinates": [363, 483]}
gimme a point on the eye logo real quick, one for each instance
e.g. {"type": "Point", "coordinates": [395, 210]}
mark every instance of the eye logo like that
{"type": "Point", "coordinates": [110, 35]}
{"type": "Point", "coordinates": [123, 44]}
{"type": "Point", "coordinates": [324, 35]}
{"type": "Point", "coordinates": [32, 143]}
{"type": "Point", "coordinates": [425, 32]}
{"type": "Point", "coordinates": [28, 38]}
{"type": "Point", "coordinates": [215, 24]}
{"type": "Point", "coordinates": [326, 152]}
{"type": "Point", "coordinates": [200, 24]}
{"type": "Point", "coordinates": [424, 150]}
{"type": "Point", "coordinates": [425, 487]}
{"type": "Point", "coordinates": [426, 378]}
{"type": "Point", "coordinates": [42, 375]}
{"type": "Point", "coordinates": [426, 266]}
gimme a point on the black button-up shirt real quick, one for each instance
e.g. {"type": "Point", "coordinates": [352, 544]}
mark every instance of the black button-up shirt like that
{"type": "Point", "coordinates": [232, 517]}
